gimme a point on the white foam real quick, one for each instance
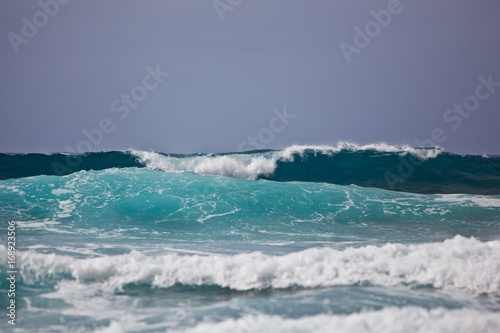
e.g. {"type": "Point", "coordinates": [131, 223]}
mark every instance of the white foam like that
{"type": "Point", "coordinates": [458, 264]}
{"type": "Point", "coordinates": [237, 166]}
{"type": "Point", "coordinates": [287, 153]}
{"type": "Point", "coordinates": [251, 166]}
{"type": "Point", "coordinates": [67, 207]}
{"type": "Point", "coordinates": [60, 191]}
{"type": "Point", "coordinates": [231, 167]}
{"type": "Point", "coordinates": [470, 200]}
{"type": "Point", "coordinates": [114, 327]}
{"type": "Point", "coordinates": [14, 189]}
{"type": "Point", "coordinates": [38, 224]}
{"type": "Point", "coordinates": [409, 319]}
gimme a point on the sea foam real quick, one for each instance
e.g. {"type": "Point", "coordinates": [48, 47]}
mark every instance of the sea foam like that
{"type": "Point", "coordinates": [409, 319]}
{"type": "Point", "coordinates": [458, 264]}
{"type": "Point", "coordinates": [251, 166]}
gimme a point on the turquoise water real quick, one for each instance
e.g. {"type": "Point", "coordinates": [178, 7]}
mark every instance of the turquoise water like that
{"type": "Point", "coordinates": [243, 242]}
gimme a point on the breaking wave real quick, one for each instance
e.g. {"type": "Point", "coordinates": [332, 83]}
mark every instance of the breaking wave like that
{"type": "Point", "coordinates": [458, 264]}
{"type": "Point", "coordinates": [419, 170]}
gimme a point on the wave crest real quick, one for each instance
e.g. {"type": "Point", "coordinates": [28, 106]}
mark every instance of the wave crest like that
{"type": "Point", "coordinates": [257, 164]}
{"type": "Point", "coordinates": [236, 165]}
{"type": "Point", "coordinates": [422, 153]}
{"type": "Point", "coordinates": [408, 169]}
{"type": "Point", "coordinates": [460, 263]}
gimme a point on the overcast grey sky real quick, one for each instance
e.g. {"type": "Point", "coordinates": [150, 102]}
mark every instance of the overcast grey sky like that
{"type": "Point", "coordinates": [65, 66]}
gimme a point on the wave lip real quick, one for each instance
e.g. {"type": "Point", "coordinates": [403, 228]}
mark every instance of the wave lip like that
{"type": "Point", "coordinates": [233, 165]}
{"type": "Point", "coordinates": [422, 153]}
{"type": "Point", "coordinates": [458, 264]}
{"type": "Point", "coordinates": [255, 164]}
{"type": "Point", "coordinates": [408, 169]}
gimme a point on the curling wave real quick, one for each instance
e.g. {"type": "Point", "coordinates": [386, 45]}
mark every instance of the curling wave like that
{"type": "Point", "coordinates": [419, 170]}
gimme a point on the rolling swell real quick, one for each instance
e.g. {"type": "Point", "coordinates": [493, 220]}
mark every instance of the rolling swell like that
{"type": "Point", "coordinates": [445, 173]}
{"type": "Point", "coordinates": [417, 170]}
{"type": "Point", "coordinates": [29, 165]}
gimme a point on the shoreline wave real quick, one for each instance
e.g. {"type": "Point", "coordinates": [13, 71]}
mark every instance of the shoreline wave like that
{"type": "Point", "coordinates": [459, 265]}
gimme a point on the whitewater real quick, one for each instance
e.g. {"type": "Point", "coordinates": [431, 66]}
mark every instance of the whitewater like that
{"type": "Point", "coordinates": [347, 238]}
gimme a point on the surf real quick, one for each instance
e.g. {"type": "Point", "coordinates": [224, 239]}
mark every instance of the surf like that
{"type": "Point", "coordinates": [451, 266]}
{"type": "Point", "coordinates": [407, 169]}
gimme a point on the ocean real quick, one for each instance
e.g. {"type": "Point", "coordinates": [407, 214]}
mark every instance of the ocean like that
{"type": "Point", "coordinates": [343, 238]}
